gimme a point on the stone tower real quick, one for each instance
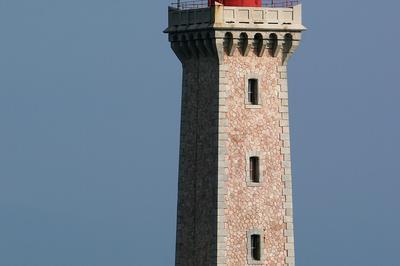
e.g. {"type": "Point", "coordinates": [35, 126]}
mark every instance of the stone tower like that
{"type": "Point", "coordinates": [235, 183]}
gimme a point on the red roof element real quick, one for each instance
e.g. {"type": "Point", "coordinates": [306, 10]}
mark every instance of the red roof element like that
{"type": "Point", "coordinates": [248, 3]}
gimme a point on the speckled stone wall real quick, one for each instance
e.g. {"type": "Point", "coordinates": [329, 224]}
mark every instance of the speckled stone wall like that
{"type": "Point", "coordinates": [254, 130]}
{"type": "Point", "coordinates": [197, 199]}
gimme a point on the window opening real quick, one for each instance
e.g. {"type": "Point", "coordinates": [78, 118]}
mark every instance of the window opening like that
{"type": "Point", "coordinates": [255, 169]}
{"type": "Point", "coordinates": [256, 247]}
{"type": "Point", "coordinates": [253, 91]}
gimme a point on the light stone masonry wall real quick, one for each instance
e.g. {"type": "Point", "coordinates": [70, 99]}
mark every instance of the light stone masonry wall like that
{"type": "Point", "coordinates": [260, 129]}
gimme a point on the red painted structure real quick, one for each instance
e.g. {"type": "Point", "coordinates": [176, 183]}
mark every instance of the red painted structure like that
{"type": "Point", "coordinates": [249, 3]}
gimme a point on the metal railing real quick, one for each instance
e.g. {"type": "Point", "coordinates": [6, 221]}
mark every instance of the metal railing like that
{"type": "Point", "coordinates": [195, 4]}
{"type": "Point", "coordinates": [190, 4]}
{"type": "Point", "coordinates": [280, 3]}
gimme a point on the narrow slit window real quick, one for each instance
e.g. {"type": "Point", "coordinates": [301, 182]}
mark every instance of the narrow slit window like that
{"type": "Point", "coordinates": [255, 169]}
{"type": "Point", "coordinates": [253, 91]}
{"type": "Point", "coordinates": [256, 247]}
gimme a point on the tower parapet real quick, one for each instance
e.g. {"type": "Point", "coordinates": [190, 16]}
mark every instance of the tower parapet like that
{"type": "Point", "coordinates": [235, 181]}
{"type": "Point", "coordinates": [196, 31]}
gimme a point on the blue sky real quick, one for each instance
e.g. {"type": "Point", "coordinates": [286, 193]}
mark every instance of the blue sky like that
{"type": "Point", "coordinates": [89, 133]}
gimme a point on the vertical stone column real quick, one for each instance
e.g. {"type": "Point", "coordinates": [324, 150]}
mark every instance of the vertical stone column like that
{"type": "Point", "coordinates": [286, 165]}
{"type": "Point", "coordinates": [222, 164]}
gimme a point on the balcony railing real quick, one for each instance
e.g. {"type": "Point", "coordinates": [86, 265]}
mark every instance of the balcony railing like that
{"type": "Point", "coordinates": [191, 4]}
{"type": "Point", "coordinates": [280, 3]}
{"type": "Point", "coordinates": [195, 4]}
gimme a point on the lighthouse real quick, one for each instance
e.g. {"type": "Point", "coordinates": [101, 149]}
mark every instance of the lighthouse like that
{"type": "Point", "coordinates": [235, 180]}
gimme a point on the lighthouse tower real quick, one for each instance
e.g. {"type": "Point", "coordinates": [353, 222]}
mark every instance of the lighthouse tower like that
{"type": "Point", "coordinates": [235, 181]}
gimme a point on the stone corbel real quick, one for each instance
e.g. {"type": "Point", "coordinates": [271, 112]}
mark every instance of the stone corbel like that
{"type": "Point", "coordinates": [230, 44]}
{"type": "Point", "coordinates": [244, 44]}
{"type": "Point", "coordinates": [235, 43]}
{"type": "Point", "coordinates": [192, 47]}
{"type": "Point", "coordinates": [184, 46]}
{"type": "Point", "coordinates": [279, 48]}
{"type": "Point", "coordinates": [200, 47]}
{"type": "Point", "coordinates": [176, 47]}
{"type": "Point", "coordinates": [274, 44]}
{"type": "Point", "coordinates": [219, 46]}
{"type": "Point", "coordinates": [234, 47]}
{"type": "Point", "coordinates": [208, 45]}
{"type": "Point", "coordinates": [289, 47]}
{"type": "Point", "coordinates": [260, 45]}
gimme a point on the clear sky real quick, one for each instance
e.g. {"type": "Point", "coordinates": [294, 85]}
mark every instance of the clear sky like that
{"type": "Point", "coordinates": [89, 131]}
